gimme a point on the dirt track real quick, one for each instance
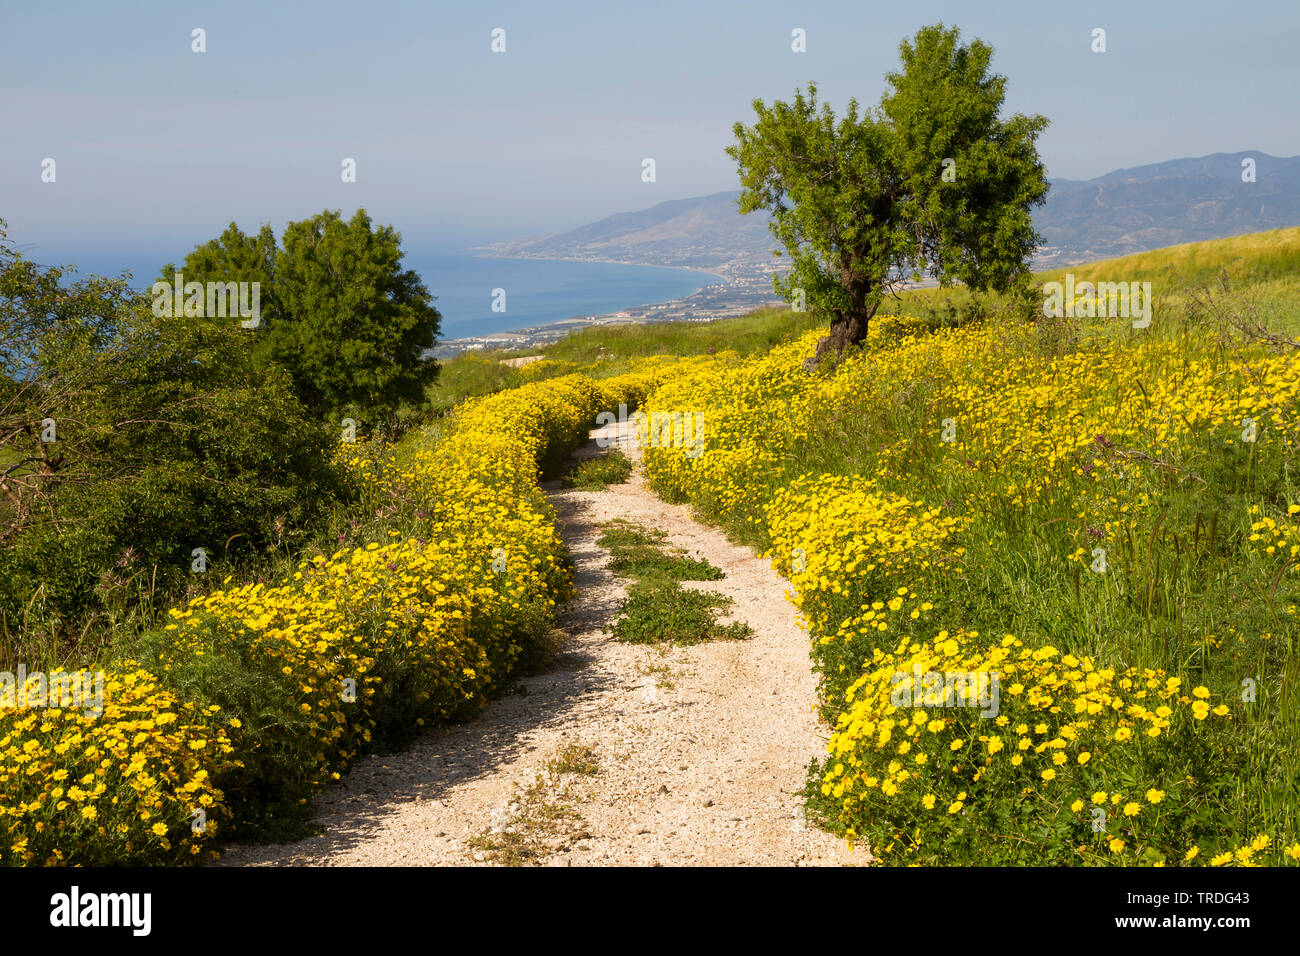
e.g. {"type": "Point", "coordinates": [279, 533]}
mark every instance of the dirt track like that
{"type": "Point", "coordinates": [701, 750]}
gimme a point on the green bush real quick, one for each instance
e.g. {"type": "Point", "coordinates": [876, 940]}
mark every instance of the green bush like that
{"type": "Point", "coordinates": [168, 437]}
{"type": "Point", "coordinates": [351, 326]}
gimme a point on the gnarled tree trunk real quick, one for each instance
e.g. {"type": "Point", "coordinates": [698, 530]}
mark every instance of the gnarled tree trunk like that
{"type": "Point", "coordinates": [848, 326]}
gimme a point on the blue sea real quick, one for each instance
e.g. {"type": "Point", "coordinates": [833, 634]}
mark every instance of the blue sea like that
{"type": "Point", "coordinates": [537, 291]}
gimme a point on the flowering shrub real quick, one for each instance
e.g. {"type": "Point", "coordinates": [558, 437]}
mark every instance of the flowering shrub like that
{"type": "Point", "coordinates": [81, 788]}
{"type": "Point", "coordinates": [830, 528]}
{"type": "Point", "coordinates": [1060, 745]}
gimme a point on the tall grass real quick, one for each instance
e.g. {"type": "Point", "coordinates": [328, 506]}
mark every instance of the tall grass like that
{"type": "Point", "coordinates": [469, 375]}
{"type": "Point", "coordinates": [1262, 267]}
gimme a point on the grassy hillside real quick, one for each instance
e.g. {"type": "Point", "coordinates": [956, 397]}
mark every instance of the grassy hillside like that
{"type": "Point", "coordinates": [750, 334]}
{"type": "Point", "coordinates": [1260, 270]}
{"type": "Point", "coordinates": [611, 350]}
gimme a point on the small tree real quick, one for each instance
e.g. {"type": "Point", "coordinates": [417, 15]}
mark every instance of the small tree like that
{"type": "Point", "coordinates": [338, 310]}
{"type": "Point", "coordinates": [931, 182]}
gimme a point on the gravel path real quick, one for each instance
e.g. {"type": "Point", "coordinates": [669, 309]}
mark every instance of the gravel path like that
{"type": "Point", "coordinates": [700, 750]}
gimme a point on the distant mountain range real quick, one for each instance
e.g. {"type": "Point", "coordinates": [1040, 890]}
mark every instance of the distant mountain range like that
{"type": "Point", "coordinates": [1125, 211]}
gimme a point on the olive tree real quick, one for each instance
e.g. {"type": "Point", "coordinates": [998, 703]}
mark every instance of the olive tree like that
{"type": "Point", "coordinates": [933, 181]}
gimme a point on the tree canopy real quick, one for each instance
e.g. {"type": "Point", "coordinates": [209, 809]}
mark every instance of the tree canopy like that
{"type": "Point", "coordinates": [338, 311]}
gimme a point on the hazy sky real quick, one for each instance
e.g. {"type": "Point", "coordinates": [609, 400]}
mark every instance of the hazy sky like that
{"type": "Point", "coordinates": [158, 147]}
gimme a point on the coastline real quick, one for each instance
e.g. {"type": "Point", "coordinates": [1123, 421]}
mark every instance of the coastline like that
{"type": "Point", "coordinates": [611, 262]}
{"type": "Point", "coordinates": [722, 298]}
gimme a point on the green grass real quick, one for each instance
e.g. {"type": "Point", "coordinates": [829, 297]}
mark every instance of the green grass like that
{"type": "Point", "coordinates": [658, 610]}
{"type": "Point", "coordinates": [1259, 270]}
{"type": "Point", "coordinates": [597, 474]}
{"type": "Point", "coordinates": [574, 758]}
{"type": "Point", "coordinates": [751, 334]}
{"type": "Point", "coordinates": [642, 554]}
{"type": "Point", "coordinates": [541, 821]}
{"type": "Point", "coordinates": [7, 457]}
{"type": "Point", "coordinates": [469, 375]}
{"type": "Point", "coordinates": [655, 614]}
